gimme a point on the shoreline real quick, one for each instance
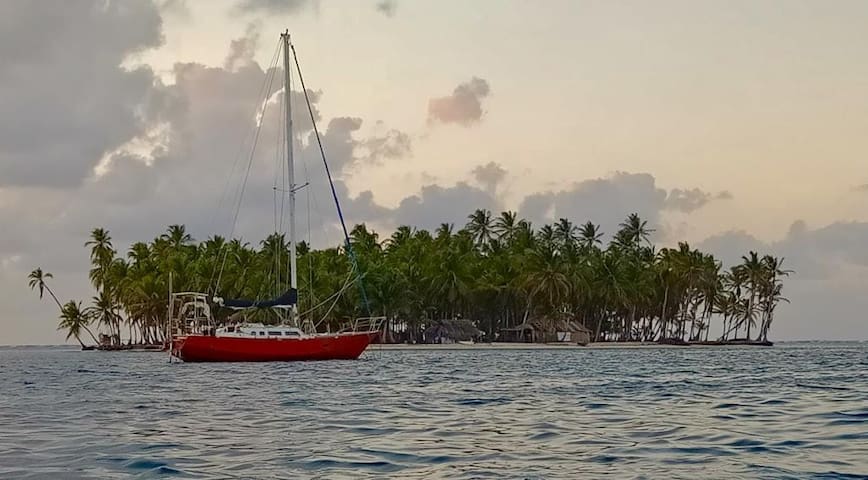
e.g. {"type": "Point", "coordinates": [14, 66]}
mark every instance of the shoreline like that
{"type": "Point", "coordinates": [551, 346]}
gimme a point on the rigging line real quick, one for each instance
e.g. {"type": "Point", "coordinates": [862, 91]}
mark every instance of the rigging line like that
{"type": "Point", "coordinates": [247, 173]}
{"type": "Point", "coordinates": [262, 92]}
{"type": "Point", "coordinates": [347, 283]}
{"type": "Point", "coordinates": [331, 182]}
{"type": "Point", "coordinates": [308, 253]}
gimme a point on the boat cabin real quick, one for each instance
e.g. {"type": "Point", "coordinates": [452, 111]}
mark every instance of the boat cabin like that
{"type": "Point", "coordinates": [258, 330]}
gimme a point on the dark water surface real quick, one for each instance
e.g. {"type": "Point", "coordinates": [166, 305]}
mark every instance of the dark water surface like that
{"type": "Point", "coordinates": [791, 411]}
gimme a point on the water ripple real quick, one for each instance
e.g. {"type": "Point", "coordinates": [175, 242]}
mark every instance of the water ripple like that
{"type": "Point", "coordinates": [790, 412]}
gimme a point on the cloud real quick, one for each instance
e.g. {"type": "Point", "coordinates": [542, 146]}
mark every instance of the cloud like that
{"type": "Point", "coordinates": [273, 6]}
{"type": "Point", "coordinates": [608, 201]}
{"type": "Point", "coordinates": [387, 7]}
{"type": "Point", "coordinates": [605, 201]}
{"type": "Point", "coordinates": [436, 204]}
{"type": "Point", "coordinates": [69, 113]}
{"type": "Point", "coordinates": [185, 164]}
{"type": "Point", "coordinates": [689, 200]}
{"type": "Point", "coordinates": [392, 144]}
{"type": "Point", "coordinates": [463, 107]}
{"type": "Point", "coordinates": [242, 50]}
{"type": "Point", "coordinates": [178, 8]}
{"type": "Point", "coordinates": [489, 176]}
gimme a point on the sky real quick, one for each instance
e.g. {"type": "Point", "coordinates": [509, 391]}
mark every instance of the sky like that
{"type": "Point", "coordinates": [734, 126]}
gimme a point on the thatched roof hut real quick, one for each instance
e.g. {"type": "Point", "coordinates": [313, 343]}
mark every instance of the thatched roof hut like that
{"type": "Point", "coordinates": [451, 331]}
{"type": "Point", "coordinates": [547, 329]}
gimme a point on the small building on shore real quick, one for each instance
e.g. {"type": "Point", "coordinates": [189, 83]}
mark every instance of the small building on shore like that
{"type": "Point", "coordinates": [547, 330]}
{"type": "Point", "coordinates": [452, 331]}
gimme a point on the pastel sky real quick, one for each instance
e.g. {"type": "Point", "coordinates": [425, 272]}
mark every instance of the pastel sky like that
{"type": "Point", "coordinates": [732, 125]}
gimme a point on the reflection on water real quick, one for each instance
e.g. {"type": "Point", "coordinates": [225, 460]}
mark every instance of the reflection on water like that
{"type": "Point", "coordinates": [791, 411]}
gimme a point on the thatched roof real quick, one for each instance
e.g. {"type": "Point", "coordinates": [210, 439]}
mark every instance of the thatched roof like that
{"type": "Point", "coordinates": [456, 329]}
{"type": "Point", "coordinates": [548, 324]}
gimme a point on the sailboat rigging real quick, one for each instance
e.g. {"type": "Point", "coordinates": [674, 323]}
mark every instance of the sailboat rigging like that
{"type": "Point", "coordinates": [196, 337]}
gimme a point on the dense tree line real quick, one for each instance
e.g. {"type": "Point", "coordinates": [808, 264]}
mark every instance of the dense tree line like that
{"type": "Point", "coordinates": [497, 271]}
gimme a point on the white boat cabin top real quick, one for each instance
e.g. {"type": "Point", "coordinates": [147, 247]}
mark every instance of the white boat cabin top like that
{"type": "Point", "coordinates": [258, 330]}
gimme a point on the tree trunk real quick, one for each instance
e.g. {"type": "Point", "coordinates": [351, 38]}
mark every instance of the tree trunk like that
{"type": "Point", "coordinates": [663, 312]}
{"type": "Point", "coordinates": [707, 325]}
{"type": "Point", "coordinates": [749, 313]}
{"type": "Point", "coordinates": [54, 297]}
{"type": "Point", "coordinates": [600, 323]}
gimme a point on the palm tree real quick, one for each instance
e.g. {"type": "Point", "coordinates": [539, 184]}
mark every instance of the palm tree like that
{"type": "Point", "coordinates": [480, 226]}
{"type": "Point", "coordinates": [771, 289]}
{"type": "Point", "coordinates": [37, 280]}
{"type": "Point", "coordinates": [104, 312]}
{"type": "Point", "coordinates": [505, 225]}
{"type": "Point", "coordinates": [635, 230]}
{"type": "Point", "coordinates": [753, 270]}
{"type": "Point", "coordinates": [177, 236]}
{"type": "Point", "coordinates": [73, 320]}
{"type": "Point", "coordinates": [590, 235]}
{"type": "Point", "coordinates": [494, 272]}
{"type": "Point", "coordinates": [565, 233]}
{"type": "Point", "coordinates": [546, 279]}
{"type": "Point", "coordinates": [101, 255]}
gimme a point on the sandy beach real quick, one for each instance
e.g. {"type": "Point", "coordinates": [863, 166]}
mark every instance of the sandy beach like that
{"type": "Point", "coordinates": [525, 346]}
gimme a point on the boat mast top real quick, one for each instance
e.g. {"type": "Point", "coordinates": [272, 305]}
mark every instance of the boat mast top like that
{"type": "Point", "coordinates": [287, 93]}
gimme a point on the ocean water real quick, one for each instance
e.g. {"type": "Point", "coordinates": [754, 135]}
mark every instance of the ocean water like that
{"type": "Point", "coordinates": [791, 411]}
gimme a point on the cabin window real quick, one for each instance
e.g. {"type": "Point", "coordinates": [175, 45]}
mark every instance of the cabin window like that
{"type": "Point", "coordinates": [291, 334]}
{"type": "Point", "coordinates": [261, 333]}
{"type": "Point", "coordinates": [275, 333]}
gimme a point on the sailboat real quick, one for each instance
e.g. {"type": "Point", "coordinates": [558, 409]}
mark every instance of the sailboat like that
{"type": "Point", "coordinates": [196, 336]}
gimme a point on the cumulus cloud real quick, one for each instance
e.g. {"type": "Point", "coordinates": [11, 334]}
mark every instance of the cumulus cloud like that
{"type": "Point", "coordinates": [178, 8]}
{"type": "Point", "coordinates": [689, 200]}
{"type": "Point", "coordinates": [436, 204]}
{"type": "Point", "coordinates": [392, 144]}
{"type": "Point", "coordinates": [185, 164]}
{"type": "Point", "coordinates": [242, 50]}
{"type": "Point", "coordinates": [606, 201]}
{"type": "Point", "coordinates": [69, 113]}
{"type": "Point", "coordinates": [463, 107]}
{"type": "Point", "coordinates": [273, 6]}
{"type": "Point", "coordinates": [489, 176]}
{"type": "Point", "coordinates": [387, 7]}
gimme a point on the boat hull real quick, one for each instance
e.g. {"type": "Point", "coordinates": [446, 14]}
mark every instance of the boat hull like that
{"type": "Point", "coordinates": [202, 348]}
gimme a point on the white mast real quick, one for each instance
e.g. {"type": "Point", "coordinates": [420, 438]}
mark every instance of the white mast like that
{"type": "Point", "coordinates": [287, 92]}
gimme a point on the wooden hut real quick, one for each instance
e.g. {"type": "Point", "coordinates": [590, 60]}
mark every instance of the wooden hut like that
{"type": "Point", "coordinates": [547, 330]}
{"type": "Point", "coordinates": [451, 331]}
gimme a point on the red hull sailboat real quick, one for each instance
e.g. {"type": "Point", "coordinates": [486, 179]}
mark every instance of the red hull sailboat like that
{"type": "Point", "coordinates": [338, 346]}
{"type": "Point", "coordinates": [197, 336]}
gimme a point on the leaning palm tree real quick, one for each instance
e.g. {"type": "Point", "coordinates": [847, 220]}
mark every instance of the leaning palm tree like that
{"type": "Point", "coordinates": [73, 319]}
{"type": "Point", "coordinates": [37, 280]}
